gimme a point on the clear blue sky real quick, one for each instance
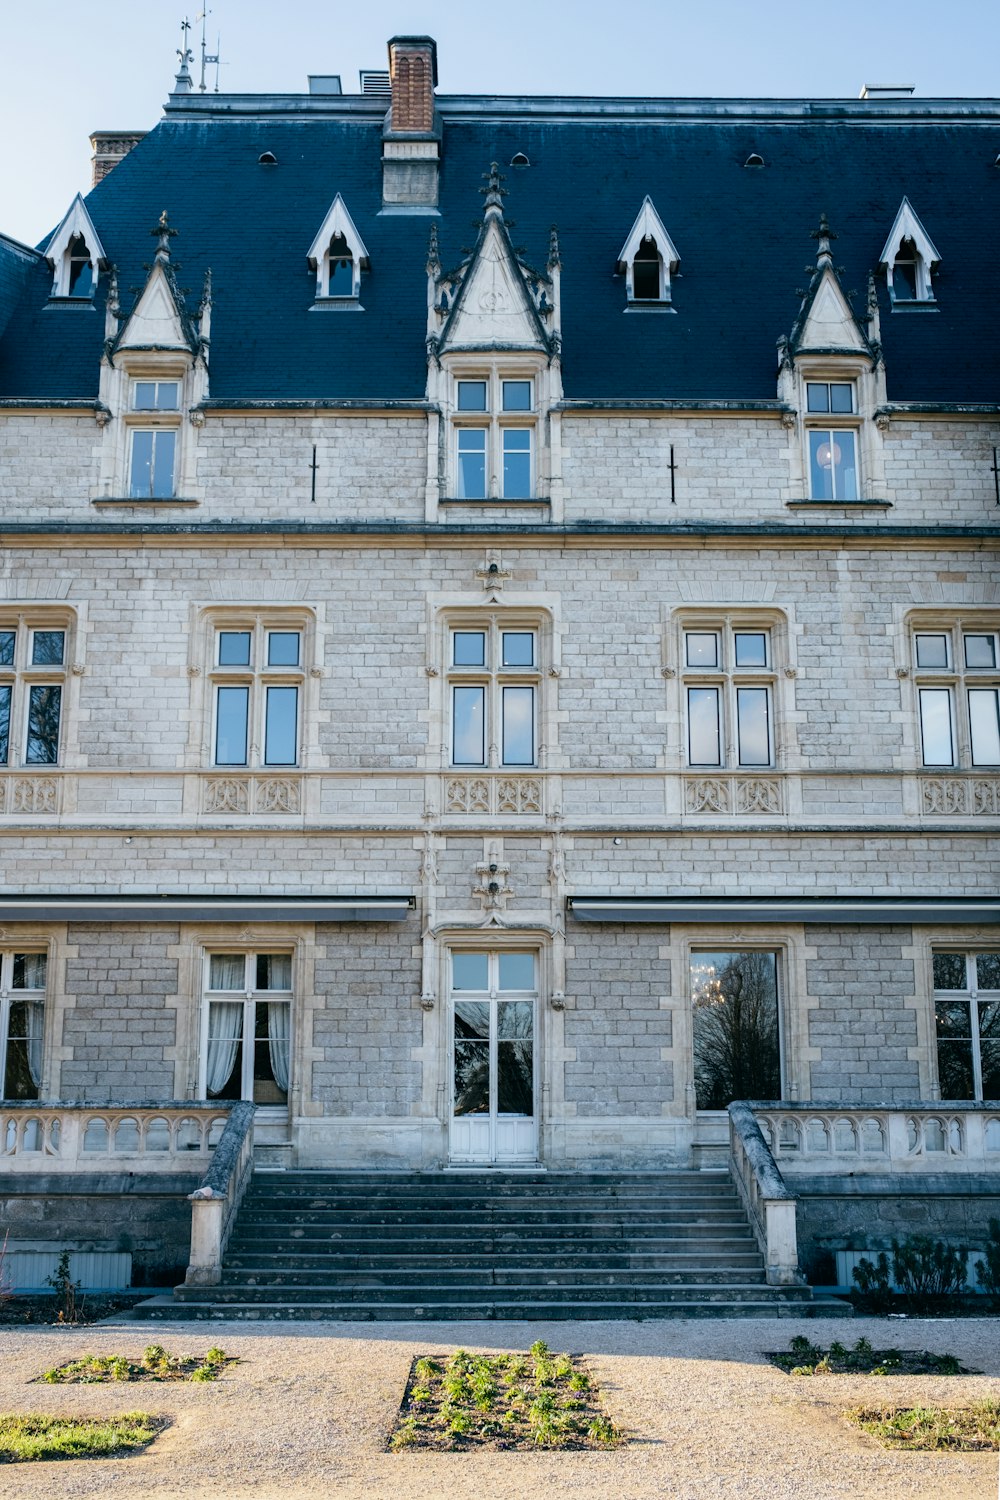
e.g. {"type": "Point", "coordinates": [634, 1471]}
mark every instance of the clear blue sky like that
{"type": "Point", "coordinates": [70, 68]}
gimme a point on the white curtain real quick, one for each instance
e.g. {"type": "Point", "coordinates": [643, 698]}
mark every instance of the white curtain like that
{"type": "Point", "coordinates": [274, 971]}
{"type": "Point", "coordinates": [227, 971]}
{"type": "Point", "coordinates": [35, 1030]}
{"type": "Point", "coordinates": [277, 1038]}
{"type": "Point", "coordinates": [225, 1025]}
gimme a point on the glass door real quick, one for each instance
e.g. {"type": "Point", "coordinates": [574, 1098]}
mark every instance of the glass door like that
{"type": "Point", "coordinates": [493, 1002]}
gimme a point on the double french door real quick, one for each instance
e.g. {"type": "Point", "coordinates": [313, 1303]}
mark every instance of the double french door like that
{"type": "Point", "coordinates": [494, 999]}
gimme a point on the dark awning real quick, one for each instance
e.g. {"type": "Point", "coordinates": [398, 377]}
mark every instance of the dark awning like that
{"type": "Point", "coordinates": [881, 910]}
{"type": "Point", "coordinates": [172, 908]}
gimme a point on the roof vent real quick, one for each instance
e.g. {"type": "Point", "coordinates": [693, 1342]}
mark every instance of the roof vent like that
{"type": "Point", "coordinates": [325, 83]}
{"type": "Point", "coordinates": [376, 81]}
{"type": "Point", "coordinates": [267, 159]}
{"type": "Point", "coordinates": [886, 91]}
{"type": "Point", "coordinates": [519, 160]}
{"type": "Point", "coordinates": [754, 160]}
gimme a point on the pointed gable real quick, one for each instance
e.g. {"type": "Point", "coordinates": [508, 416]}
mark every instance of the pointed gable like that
{"type": "Point", "coordinates": [75, 228]}
{"type": "Point", "coordinates": [337, 221]}
{"type": "Point", "coordinates": [826, 322]}
{"type": "Point", "coordinates": [906, 226]}
{"type": "Point", "coordinates": [494, 300]}
{"type": "Point", "coordinates": [648, 226]}
{"type": "Point", "coordinates": [159, 319]}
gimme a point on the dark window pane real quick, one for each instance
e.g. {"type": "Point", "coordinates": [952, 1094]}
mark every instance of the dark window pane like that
{"type": "Point", "coordinates": [469, 648]}
{"type": "Point", "coordinates": [47, 648]}
{"type": "Point", "coordinates": [517, 395]}
{"type": "Point", "coordinates": [23, 1051]}
{"type": "Point", "coordinates": [5, 693]}
{"type": "Point", "coordinates": [44, 707]}
{"type": "Point", "coordinates": [231, 726]}
{"type": "Point", "coordinates": [281, 725]}
{"type": "Point", "coordinates": [341, 268]}
{"type": "Point", "coordinates": [470, 971]}
{"type": "Point", "coordinates": [952, 1019]}
{"type": "Point", "coordinates": [274, 971]}
{"type": "Point", "coordinates": [469, 741]}
{"type": "Point", "coordinates": [932, 650]}
{"type": "Point", "coordinates": [266, 1087]}
{"type": "Point", "coordinates": [841, 398]}
{"type": "Point", "coordinates": [29, 971]}
{"type": "Point", "coordinates": [7, 639]}
{"type": "Point", "coordinates": [736, 1049]}
{"type": "Point", "coordinates": [980, 651]}
{"type": "Point", "coordinates": [472, 1077]}
{"type": "Point", "coordinates": [988, 971]}
{"type": "Point", "coordinates": [234, 648]}
{"type": "Point", "coordinates": [904, 281]}
{"type": "Point", "coordinates": [283, 648]}
{"type": "Point", "coordinates": [817, 396]}
{"type": "Point", "coordinates": [955, 1070]}
{"type": "Point", "coordinates": [646, 272]}
{"type": "Point", "coordinates": [518, 726]}
{"type": "Point", "coordinates": [990, 1056]}
{"type": "Point", "coordinates": [950, 971]}
{"type": "Point", "coordinates": [515, 1082]}
{"type": "Point", "coordinates": [472, 395]}
{"type": "Point", "coordinates": [751, 648]}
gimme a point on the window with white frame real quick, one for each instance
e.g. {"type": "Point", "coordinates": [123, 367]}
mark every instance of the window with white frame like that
{"type": "Point", "coordinates": [494, 430]}
{"type": "Point", "coordinates": [832, 439]}
{"type": "Point", "coordinates": [257, 680]}
{"type": "Point", "coordinates": [967, 1024]}
{"type": "Point", "coordinates": [154, 435]}
{"type": "Point", "coordinates": [494, 685]}
{"type": "Point", "coordinates": [338, 256]}
{"type": "Point", "coordinates": [648, 258]}
{"type": "Point", "coordinates": [32, 680]}
{"type": "Point", "coordinates": [909, 257]}
{"type": "Point", "coordinates": [247, 1027]}
{"type": "Point", "coordinates": [956, 668]}
{"type": "Point", "coordinates": [729, 694]}
{"type": "Point", "coordinates": [22, 1023]}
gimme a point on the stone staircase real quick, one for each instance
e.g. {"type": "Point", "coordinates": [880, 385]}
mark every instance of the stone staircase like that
{"type": "Point", "coordinates": [453, 1245]}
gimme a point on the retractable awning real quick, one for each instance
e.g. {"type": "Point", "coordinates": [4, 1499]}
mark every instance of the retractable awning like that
{"type": "Point", "coordinates": [174, 908]}
{"type": "Point", "coordinates": [746, 910]}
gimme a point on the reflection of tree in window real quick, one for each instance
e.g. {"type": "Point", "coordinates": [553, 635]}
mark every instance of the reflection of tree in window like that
{"type": "Point", "coordinates": [515, 1031]}
{"type": "Point", "coordinates": [736, 1051]}
{"type": "Point", "coordinates": [472, 1057]}
{"type": "Point", "coordinates": [967, 1024]}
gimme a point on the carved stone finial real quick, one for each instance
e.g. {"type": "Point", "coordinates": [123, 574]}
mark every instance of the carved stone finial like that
{"type": "Point", "coordinates": [493, 193]}
{"type": "Point", "coordinates": [554, 260]}
{"type": "Point", "coordinates": [824, 235]}
{"type": "Point", "coordinates": [433, 255]}
{"type": "Point", "coordinates": [164, 234]}
{"type": "Point", "coordinates": [206, 289]}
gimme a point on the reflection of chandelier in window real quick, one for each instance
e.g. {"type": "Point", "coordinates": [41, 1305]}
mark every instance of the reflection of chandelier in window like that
{"type": "Point", "coordinates": [706, 986]}
{"type": "Point", "coordinates": [828, 455]}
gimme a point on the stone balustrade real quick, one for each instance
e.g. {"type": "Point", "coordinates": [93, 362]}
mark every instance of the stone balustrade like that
{"type": "Point", "coordinates": [179, 1136]}
{"type": "Point", "coordinates": [768, 1202]}
{"type": "Point", "coordinates": [811, 1139]}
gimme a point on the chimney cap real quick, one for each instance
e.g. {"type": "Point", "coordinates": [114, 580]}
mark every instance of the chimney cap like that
{"type": "Point", "coordinates": [421, 43]}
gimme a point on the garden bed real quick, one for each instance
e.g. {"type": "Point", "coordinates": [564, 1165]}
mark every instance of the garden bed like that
{"type": "Point", "coordinates": [502, 1401]}
{"type": "Point", "coordinates": [156, 1364]}
{"type": "Point", "coordinates": [806, 1358]}
{"type": "Point", "coordinates": [27, 1439]}
{"type": "Point", "coordinates": [924, 1429]}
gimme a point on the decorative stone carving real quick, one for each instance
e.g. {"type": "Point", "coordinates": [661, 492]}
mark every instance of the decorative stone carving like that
{"type": "Point", "coordinates": [34, 794]}
{"type": "Point", "coordinates": [278, 794]}
{"type": "Point", "coordinates": [3, 795]}
{"type": "Point", "coordinates": [227, 794]}
{"type": "Point", "coordinates": [978, 796]}
{"type": "Point", "coordinates": [986, 797]}
{"type": "Point", "coordinates": [519, 794]}
{"type": "Point", "coordinates": [492, 886]}
{"type": "Point", "coordinates": [467, 794]}
{"type": "Point", "coordinates": [707, 794]}
{"type": "Point", "coordinates": [492, 573]}
{"type": "Point", "coordinates": [758, 794]}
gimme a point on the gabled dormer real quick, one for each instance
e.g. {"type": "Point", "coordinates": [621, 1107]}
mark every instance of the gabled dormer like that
{"type": "Point", "coordinates": [76, 255]}
{"type": "Point", "coordinates": [153, 375]}
{"type": "Point", "coordinates": [648, 259]}
{"type": "Point", "coordinates": [831, 377]}
{"type": "Point", "coordinates": [493, 365]}
{"type": "Point", "coordinates": [909, 257]}
{"type": "Point", "coordinates": [338, 256]}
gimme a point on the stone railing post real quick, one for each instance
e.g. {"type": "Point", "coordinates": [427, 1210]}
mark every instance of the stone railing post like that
{"type": "Point", "coordinates": [769, 1204]}
{"type": "Point", "coordinates": [215, 1202]}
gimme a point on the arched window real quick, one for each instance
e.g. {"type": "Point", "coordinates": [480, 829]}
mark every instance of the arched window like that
{"type": "Point", "coordinates": [910, 258]}
{"type": "Point", "coordinates": [341, 283]}
{"type": "Point", "coordinates": [75, 254]}
{"type": "Point", "coordinates": [647, 272]}
{"type": "Point", "coordinates": [648, 258]}
{"type": "Point", "coordinates": [80, 281]}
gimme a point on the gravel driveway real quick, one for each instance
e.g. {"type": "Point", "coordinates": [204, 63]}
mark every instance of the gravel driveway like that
{"type": "Point", "coordinates": [308, 1411]}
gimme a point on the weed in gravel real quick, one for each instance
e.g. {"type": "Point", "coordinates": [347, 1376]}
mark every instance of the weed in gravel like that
{"type": "Point", "coordinates": [805, 1358]}
{"type": "Point", "coordinates": [156, 1364]}
{"type": "Point", "coordinates": [969, 1429]}
{"type": "Point", "coordinates": [24, 1439]}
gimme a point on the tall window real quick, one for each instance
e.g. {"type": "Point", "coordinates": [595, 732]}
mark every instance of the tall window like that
{"type": "Point", "coordinates": [22, 1024]}
{"type": "Point", "coordinates": [32, 672]}
{"type": "Point", "coordinates": [957, 671]}
{"type": "Point", "coordinates": [341, 272]}
{"type": "Point", "coordinates": [247, 1026]}
{"type": "Point", "coordinates": [257, 682]}
{"type": "Point", "coordinates": [967, 1021]}
{"type": "Point", "coordinates": [494, 679]}
{"type": "Point", "coordinates": [494, 439]}
{"type": "Point", "coordinates": [832, 439]}
{"type": "Point", "coordinates": [80, 265]}
{"type": "Point", "coordinates": [737, 1053]}
{"type": "Point", "coordinates": [729, 691]}
{"type": "Point", "coordinates": [647, 272]}
{"type": "Point", "coordinates": [153, 447]}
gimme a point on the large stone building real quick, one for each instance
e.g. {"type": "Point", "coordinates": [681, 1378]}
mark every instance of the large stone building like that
{"type": "Point", "coordinates": [506, 661]}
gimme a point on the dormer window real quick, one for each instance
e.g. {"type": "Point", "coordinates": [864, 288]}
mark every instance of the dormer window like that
{"type": "Point", "coordinates": [909, 257]}
{"type": "Point", "coordinates": [338, 256]}
{"type": "Point", "coordinates": [648, 258]}
{"type": "Point", "coordinates": [75, 254]}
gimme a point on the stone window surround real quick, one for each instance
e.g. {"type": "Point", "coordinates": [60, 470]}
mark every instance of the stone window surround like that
{"type": "Point", "coordinates": [28, 616]}
{"type": "Point", "coordinates": [130, 368]}
{"type": "Point", "coordinates": [494, 371]}
{"type": "Point", "coordinates": [868, 384]}
{"type": "Point", "coordinates": [927, 942]}
{"type": "Point", "coordinates": [44, 938]}
{"type": "Point", "coordinates": [265, 943]}
{"type": "Point", "coordinates": [953, 622]}
{"type": "Point", "coordinates": [258, 617]}
{"type": "Point", "coordinates": [778, 676]}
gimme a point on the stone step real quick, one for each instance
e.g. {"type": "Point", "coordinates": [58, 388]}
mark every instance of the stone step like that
{"type": "Point", "coordinates": [514, 1216]}
{"type": "Point", "coordinates": [298, 1236]}
{"type": "Point", "coordinates": [515, 1291]}
{"type": "Point", "coordinates": [254, 1262]}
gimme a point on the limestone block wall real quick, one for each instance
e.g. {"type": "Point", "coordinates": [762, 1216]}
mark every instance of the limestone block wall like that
{"type": "Point", "coordinates": [863, 1024]}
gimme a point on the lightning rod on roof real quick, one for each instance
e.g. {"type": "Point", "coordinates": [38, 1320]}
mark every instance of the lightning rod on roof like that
{"type": "Point", "coordinates": [207, 58]}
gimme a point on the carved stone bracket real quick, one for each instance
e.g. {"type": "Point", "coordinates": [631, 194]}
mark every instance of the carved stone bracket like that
{"type": "Point", "coordinates": [492, 573]}
{"type": "Point", "coordinates": [492, 885]}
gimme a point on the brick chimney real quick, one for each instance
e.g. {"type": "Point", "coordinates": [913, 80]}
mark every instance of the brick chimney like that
{"type": "Point", "coordinates": [412, 134]}
{"type": "Point", "coordinates": [109, 148]}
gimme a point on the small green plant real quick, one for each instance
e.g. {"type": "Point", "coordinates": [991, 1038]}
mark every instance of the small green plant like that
{"type": "Point", "coordinates": [874, 1282]}
{"type": "Point", "coordinates": [924, 1267]}
{"type": "Point", "coordinates": [65, 1289]}
{"type": "Point", "coordinates": [972, 1429]}
{"type": "Point", "coordinates": [864, 1360]}
{"type": "Point", "coordinates": [156, 1364]}
{"type": "Point", "coordinates": [25, 1439]}
{"type": "Point", "coordinates": [988, 1269]}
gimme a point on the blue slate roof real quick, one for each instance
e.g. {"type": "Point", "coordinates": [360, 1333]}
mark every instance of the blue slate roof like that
{"type": "Point", "coordinates": [743, 236]}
